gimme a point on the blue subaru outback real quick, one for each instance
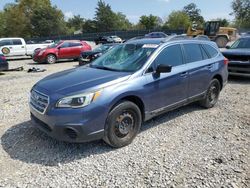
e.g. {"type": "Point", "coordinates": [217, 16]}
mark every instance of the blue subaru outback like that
{"type": "Point", "coordinates": [135, 81]}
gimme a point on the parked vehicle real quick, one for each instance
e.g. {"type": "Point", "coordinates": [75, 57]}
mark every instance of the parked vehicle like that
{"type": "Point", "coordinates": [221, 35]}
{"type": "Point", "coordinates": [62, 50]}
{"type": "Point", "coordinates": [156, 35]}
{"type": "Point", "coordinates": [108, 39]}
{"type": "Point", "coordinates": [88, 56]}
{"type": "Point", "coordinates": [3, 63]}
{"type": "Point", "coordinates": [18, 47]}
{"type": "Point", "coordinates": [239, 57]}
{"type": "Point", "coordinates": [202, 37]}
{"type": "Point", "coordinates": [129, 84]}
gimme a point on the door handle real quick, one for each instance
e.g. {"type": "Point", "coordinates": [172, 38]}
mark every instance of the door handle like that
{"type": "Point", "coordinates": [22, 47]}
{"type": "Point", "coordinates": [10, 47]}
{"type": "Point", "coordinates": [184, 74]}
{"type": "Point", "coordinates": [210, 66]}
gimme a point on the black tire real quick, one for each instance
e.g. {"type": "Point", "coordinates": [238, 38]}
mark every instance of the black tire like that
{"type": "Point", "coordinates": [221, 41]}
{"type": "Point", "coordinates": [212, 94]}
{"type": "Point", "coordinates": [123, 124]}
{"type": "Point", "coordinates": [51, 59]}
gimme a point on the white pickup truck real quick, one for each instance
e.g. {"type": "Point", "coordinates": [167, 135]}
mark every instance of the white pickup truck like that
{"type": "Point", "coordinates": [18, 47]}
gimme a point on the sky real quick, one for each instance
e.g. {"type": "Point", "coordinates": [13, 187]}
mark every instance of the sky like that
{"type": "Point", "coordinates": [133, 9]}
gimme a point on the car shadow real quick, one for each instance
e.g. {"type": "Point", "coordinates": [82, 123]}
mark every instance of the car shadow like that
{"type": "Point", "coordinates": [58, 62]}
{"type": "Point", "coordinates": [18, 58]}
{"type": "Point", "coordinates": [28, 144]}
{"type": "Point", "coordinates": [238, 80]}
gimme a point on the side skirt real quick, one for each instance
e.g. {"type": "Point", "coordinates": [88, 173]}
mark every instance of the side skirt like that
{"type": "Point", "coordinates": [157, 112]}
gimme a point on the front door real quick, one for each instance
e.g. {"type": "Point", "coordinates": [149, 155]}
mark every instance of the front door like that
{"type": "Point", "coordinates": [64, 51]}
{"type": "Point", "coordinates": [167, 89]}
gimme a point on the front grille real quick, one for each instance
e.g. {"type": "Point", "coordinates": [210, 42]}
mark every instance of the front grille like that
{"type": "Point", "coordinates": [39, 101]}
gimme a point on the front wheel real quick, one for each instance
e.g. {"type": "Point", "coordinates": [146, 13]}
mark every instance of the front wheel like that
{"type": "Point", "coordinates": [51, 59]}
{"type": "Point", "coordinates": [212, 94]}
{"type": "Point", "coordinates": [221, 41]}
{"type": "Point", "coordinates": [123, 124]}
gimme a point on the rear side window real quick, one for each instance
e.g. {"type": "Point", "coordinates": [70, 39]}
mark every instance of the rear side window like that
{"type": "Point", "coordinates": [17, 42]}
{"type": "Point", "coordinates": [204, 53]}
{"type": "Point", "coordinates": [210, 50]}
{"type": "Point", "coordinates": [193, 52]}
{"type": "Point", "coordinates": [171, 55]}
{"type": "Point", "coordinates": [74, 44]}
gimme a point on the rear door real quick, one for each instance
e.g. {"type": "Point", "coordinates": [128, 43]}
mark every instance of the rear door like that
{"type": "Point", "coordinates": [76, 48]}
{"type": "Point", "coordinates": [200, 67]}
{"type": "Point", "coordinates": [167, 89]}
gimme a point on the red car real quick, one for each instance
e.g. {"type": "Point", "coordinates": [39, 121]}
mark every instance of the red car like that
{"type": "Point", "coordinates": [62, 50]}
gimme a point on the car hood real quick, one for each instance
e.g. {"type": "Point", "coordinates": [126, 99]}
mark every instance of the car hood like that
{"type": "Point", "coordinates": [80, 79]}
{"type": "Point", "coordinates": [237, 52]}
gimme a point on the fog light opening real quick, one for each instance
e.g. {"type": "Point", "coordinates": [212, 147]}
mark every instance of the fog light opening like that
{"type": "Point", "coordinates": [71, 133]}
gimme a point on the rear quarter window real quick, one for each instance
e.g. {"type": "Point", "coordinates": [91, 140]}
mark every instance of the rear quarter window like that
{"type": "Point", "coordinates": [193, 53]}
{"type": "Point", "coordinates": [212, 52]}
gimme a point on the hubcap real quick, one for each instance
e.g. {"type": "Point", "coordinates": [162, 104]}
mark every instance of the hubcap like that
{"type": "Point", "coordinates": [51, 59]}
{"type": "Point", "coordinates": [213, 93]}
{"type": "Point", "coordinates": [124, 124]}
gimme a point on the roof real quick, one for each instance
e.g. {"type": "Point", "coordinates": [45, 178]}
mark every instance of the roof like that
{"type": "Point", "coordinates": [171, 40]}
{"type": "Point", "coordinates": [147, 41]}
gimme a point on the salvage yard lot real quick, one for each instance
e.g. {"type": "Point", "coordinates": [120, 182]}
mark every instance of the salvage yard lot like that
{"type": "Point", "coordinates": [189, 147]}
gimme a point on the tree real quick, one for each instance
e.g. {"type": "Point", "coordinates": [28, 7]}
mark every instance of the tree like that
{"type": "Point", "coordinates": [149, 22]}
{"type": "Point", "coordinates": [194, 14]}
{"type": "Point", "coordinates": [89, 26]}
{"type": "Point", "coordinates": [75, 23]}
{"type": "Point", "coordinates": [223, 22]}
{"type": "Point", "coordinates": [122, 23]}
{"type": "Point", "coordinates": [105, 18]}
{"type": "Point", "coordinates": [48, 21]}
{"type": "Point", "coordinates": [30, 18]}
{"type": "Point", "coordinates": [241, 11]}
{"type": "Point", "coordinates": [178, 20]}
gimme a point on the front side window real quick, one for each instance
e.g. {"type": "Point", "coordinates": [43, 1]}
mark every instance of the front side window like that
{"type": "Point", "coordinates": [5, 42]}
{"type": "Point", "coordinates": [65, 45]}
{"type": "Point", "coordinates": [171, 55]}
{"type": "Point", "coordinates": [125, 57]}
{"type": "Point", "coordinates": [193, 52]}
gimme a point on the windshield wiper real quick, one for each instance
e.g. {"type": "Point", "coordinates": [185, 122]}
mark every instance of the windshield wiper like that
{"type": "Point", "coordinates": [103, 68]}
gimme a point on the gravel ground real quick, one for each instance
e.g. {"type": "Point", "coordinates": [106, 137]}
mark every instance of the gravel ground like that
{"type": "Point", "coordinates": [188, 147]}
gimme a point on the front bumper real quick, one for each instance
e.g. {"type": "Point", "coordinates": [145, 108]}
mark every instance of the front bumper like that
{"type": "Point", "coordinates": [238, 68]}
{"type": "Point", "coordinates": [39, 59]}
{"type": "Point", "coordinates": [71, 125]}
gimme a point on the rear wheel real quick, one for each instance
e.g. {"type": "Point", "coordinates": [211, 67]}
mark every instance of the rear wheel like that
{"type": "Point", "coordinates": [221, 41]}
{"type": "Point", "coordinates": [123, 124]}
{"type": "Point", "coordinates": [212, 94]}
{"type": "Point", "coordinates": [51, 59]}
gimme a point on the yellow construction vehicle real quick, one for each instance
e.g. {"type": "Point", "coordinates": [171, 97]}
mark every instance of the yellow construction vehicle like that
{"type": "Point", "coordinates": [221, 35]}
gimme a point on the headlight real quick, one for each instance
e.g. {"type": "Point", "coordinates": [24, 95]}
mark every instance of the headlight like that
{"type": "Point", "coordinates": [41, 52]}
{"type": "Point", "coordinates": [78, 101]}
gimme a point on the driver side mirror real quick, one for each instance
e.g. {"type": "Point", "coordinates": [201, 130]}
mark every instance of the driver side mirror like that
{"type": "Point", "coordinates": [163, 68]}
{"type": "Point", "coordinates": [59, 47]}
{"type": "Point", "coordinates": [227, 47]}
